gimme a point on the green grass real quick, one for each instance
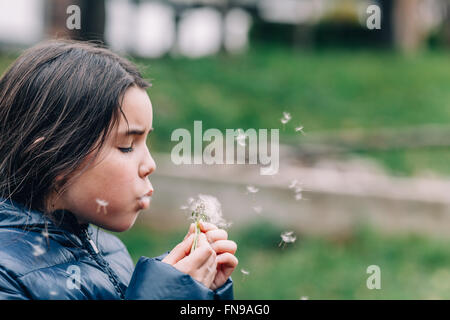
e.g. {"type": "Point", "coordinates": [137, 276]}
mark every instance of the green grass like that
{"type": "Point", "coordinates": [330, 90]}
{"type": "Point", "coordinates": [412, 266]}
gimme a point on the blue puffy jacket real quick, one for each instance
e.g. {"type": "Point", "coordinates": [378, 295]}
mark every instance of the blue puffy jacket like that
{"type": "Point", "coordinates": [40, 259]}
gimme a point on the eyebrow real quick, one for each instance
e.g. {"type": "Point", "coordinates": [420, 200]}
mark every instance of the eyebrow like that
{"type": "Point", "coordinates": [135, 132]}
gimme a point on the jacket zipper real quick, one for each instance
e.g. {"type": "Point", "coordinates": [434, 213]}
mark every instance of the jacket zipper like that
{"type": "Point", "coordinates": [95, 253]}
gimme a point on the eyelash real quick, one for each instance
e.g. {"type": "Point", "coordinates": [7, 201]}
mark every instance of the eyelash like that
{"type": "Point", "coordinates": [126, 150]}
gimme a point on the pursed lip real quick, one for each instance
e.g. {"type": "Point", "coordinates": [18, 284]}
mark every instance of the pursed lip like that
{"type": "Point", "coordinates": [144, 201]}
{"type": "Point", "coordinates": [148, 194]}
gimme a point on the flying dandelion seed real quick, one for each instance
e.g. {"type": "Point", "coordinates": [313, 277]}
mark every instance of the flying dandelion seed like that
{"type": "Point", "coordinates": [287, 237]}
{"type": "Point", "coordinates": [44, 233]}
{"type": "Point", "coordinates": [304, 298]}
{"type": "Point", "coordinates": [299, 129]}
{"type": "Point", "coordinates": [252, 189]}
{"type": "Point", "coordinates": [53, 293]}
{"type": "Point", "coordinates": [241, 137]}
{"type": "Point", "coordinates": [257, 209]}
{"type": "Point", "coordinates": [245, 272]}
{"type": "Point", "coordinates": [269, 171]}
{"type": "Point", "coordinates": [286, 118]}
{"type": "Point", "coordinates": [37, 250]}
{"type": "Point", "coordinates": [205, 208]}
{"type": "Point", "coordinates": [102, 204]}
{"type": "Point", "coordinates": [293, 184]}
{"type": "Point", "coordinates": [297, 189]}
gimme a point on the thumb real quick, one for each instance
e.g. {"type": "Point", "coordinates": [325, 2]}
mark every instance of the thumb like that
{"type": "Point", "coordinates": [202, 241]}
{"type": "Point", "coordinates": [180, 251]}
{"type": "Point", "coordinates": [190, 231]}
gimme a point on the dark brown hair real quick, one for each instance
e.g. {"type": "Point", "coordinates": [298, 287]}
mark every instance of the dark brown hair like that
{"type": "Point", "coordinates": [58, 103]}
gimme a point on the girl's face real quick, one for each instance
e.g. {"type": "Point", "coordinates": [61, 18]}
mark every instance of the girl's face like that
{"type": "Point", "coordinates": [119, 176]}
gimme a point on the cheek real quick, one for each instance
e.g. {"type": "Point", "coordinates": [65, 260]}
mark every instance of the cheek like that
{"type": "Point", "coordinates": [116, 177]}
{"type": "Point", "coordinates": [111, 180]}
{"type": "Point", "coordinates": [120, 174]}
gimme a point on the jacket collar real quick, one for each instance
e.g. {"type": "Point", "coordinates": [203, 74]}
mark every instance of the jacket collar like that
{"type": "Point", "coordinates": [15, 215]}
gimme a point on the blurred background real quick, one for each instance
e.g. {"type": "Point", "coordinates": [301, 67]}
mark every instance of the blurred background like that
{"type": "Point", "coordinates": [364, 175]}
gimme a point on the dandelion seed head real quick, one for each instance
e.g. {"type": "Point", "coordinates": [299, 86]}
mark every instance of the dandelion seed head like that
{"type": "Point", "coordinates": [208, 209]}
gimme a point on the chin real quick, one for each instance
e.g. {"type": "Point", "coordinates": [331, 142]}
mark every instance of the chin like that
{"type": "Point", "coordinates": [121, 226]}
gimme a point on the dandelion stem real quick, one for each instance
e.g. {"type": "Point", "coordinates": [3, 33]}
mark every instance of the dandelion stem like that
{"type": "Point", "coordinates": [197, 233]}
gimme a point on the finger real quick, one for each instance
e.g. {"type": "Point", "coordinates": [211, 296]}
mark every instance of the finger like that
{"type": "Point", "coordinates": [203, 251]}
{"type": "Point", "coordinates": [227, 261]}
{"type": "Point", "coordinates": [210, 263]}
{"type": "Point", "coordinates": [210, 269]}
{"type": "Point", "coordinates": [217, 234]}
{"type": "Point", "coordinates": [207, 226]}
{"type": "Point", "coordinates": [202, 240]}
{"type": "Point", "coordinates": [180, 251]}
{"type": "Point", "coordinates": [222, 246]}
{"type": "Point", "coordinates": [190, 231]}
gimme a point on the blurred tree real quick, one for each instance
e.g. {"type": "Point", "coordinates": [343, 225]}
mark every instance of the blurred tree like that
{"type": "Point", "coordinates": [408, 32]}
{"type": "Point", "coordinates": [92, 19]}
{"type": "Point", "coordinates": [446, 26]}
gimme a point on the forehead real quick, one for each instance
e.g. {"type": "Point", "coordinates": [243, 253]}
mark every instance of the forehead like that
{"type": "Point", "coordinates": [137, 107]}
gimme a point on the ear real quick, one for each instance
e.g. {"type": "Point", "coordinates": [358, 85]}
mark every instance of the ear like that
{"type": "Point", "coordinates": [59, 181]}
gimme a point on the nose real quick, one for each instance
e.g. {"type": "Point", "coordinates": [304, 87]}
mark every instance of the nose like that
{"type": "Point", "coordinates": [147, 166]}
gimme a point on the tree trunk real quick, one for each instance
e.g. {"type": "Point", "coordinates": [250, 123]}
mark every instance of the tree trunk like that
{"type": "Point", "coordinates": [408, 33]}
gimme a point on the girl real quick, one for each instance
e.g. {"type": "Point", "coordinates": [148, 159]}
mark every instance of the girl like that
{"type": "Point", "coordinates": [74, 119]}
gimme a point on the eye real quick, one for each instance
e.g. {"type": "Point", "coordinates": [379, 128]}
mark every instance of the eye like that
{"type": "Point", "coordinates": [126, 150]}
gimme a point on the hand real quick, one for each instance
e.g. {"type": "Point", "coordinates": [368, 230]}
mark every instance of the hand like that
{"type": "Point", "coordinates": [200, 264]}
{"type": "Point", "coordinates": [225, 250]}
